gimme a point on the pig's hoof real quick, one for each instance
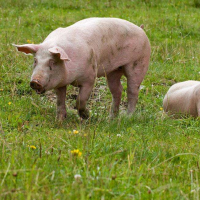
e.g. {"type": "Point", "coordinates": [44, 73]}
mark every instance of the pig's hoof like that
{"type": "Point", "coordinates": [113, 115]}
{"type": "Point", "coordinates": [84, 114]}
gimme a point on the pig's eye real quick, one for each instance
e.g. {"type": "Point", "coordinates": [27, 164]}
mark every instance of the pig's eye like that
{"type": "Point", "coordinates": [51, 64]}
{"type": "Point", "coordinates": [35, 62]}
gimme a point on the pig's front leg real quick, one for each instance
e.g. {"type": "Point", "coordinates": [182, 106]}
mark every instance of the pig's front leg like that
{"type": "Point", "coordinates": [61, 108]}
{"type": "Point", "coordinates": [84, 94]}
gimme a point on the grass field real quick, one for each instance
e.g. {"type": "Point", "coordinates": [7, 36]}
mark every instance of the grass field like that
{"type": "Point", "coordinates": [147, 156]}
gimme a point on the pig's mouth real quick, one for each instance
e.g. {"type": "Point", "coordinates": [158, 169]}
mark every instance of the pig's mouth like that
{"type": "Point", "coordinates": [40, 91]}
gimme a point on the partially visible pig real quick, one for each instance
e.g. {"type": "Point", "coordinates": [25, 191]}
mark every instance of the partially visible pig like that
{"type": "Point", "coordinates": [88, 49]}
{"type": "Point", "coordinates": [183, 98]}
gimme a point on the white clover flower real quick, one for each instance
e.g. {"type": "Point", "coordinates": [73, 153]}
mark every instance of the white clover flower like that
{"type": "Point", "coordinates": [77, 176]}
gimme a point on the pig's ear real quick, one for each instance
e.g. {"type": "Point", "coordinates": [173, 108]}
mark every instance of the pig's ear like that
{"type": "Point", "coordinates": [27, 48]}
{"type": "Point", "coordinates": [60, 52]}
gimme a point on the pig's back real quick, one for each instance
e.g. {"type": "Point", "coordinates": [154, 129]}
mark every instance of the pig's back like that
{"type": "Point", "coordinates": [181, 98]}
{"type": "Point", "coordinates": [96, 31]}
{"type": "Point", "coordinates": [183, 86]}
{"type": "Point", "coordinates": [104, 23]}
{"type": "Point", "coordinates": [111, 27]}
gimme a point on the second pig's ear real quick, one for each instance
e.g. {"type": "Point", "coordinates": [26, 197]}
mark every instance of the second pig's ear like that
{"type": "Point", "coordinates": [60, 52]}
{"type": "Point", "coordinates": [27, 48]}
{"type": "Point", "coordinates": [142, 26]}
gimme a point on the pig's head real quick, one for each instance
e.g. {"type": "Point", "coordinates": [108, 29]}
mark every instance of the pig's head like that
{"type": "Point", "coordinates": [49, 70]}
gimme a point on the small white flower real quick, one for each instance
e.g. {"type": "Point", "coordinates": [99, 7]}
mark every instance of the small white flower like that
{"type": "Point", "coordinates": [77, 176]}
{"type": "Point", "coordinates": [142, 87]}
{"type": "Point", "coordinates": [119, 135]}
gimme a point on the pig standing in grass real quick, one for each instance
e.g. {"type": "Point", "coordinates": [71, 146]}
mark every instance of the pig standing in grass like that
{"type": "Point", "coordinates": [88, 49]}
{"type": "Point", "coordinates": [183, 98]}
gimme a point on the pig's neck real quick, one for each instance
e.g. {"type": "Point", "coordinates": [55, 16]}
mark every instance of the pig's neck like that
{"type": "Point", "coordinates": [71, 72]}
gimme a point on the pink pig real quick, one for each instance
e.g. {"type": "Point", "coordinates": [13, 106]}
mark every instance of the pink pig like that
{"type": "Point", "coordinates": [88, 49]}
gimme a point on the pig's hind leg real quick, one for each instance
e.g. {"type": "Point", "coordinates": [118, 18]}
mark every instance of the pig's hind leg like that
{"type": "Point", "coordinates": [134, 73]}
{"type": "Point", "coordinates": [115, 87]}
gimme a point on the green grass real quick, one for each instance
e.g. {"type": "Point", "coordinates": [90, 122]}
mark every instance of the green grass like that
{"type": "Point", "coordinates": [147, 156]}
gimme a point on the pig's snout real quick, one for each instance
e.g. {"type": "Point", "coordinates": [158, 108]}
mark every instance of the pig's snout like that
{"type": "Point", "coordinates": [36, 85]}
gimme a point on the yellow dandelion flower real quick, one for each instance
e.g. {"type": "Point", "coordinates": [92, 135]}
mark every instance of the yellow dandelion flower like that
{"type": "Point", "coordinates": [29, 41]}
{"type": "Point", "coordinates": [9, 103]}
{"type": "Point", "coordinates": [75, 132]}
{"type": "Point", "coordinates": [1, 89]}
{"type": "Point", "coordinates": [32, 147]}
{"type": "Point", "coordinates": [76, 152]}
{"type": "Point", "coordinates": [161, 108]}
